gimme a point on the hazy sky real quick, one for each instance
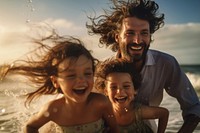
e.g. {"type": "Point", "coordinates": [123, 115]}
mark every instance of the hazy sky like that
{"type": "Point", "coordinates": [180, 36]}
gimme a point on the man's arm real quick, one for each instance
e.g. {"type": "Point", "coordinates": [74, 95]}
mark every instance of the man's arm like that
{"type": "Point", "coordinates": [190, 123]}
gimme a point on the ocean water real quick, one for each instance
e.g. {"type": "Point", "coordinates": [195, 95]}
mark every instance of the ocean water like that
{"type": "Point", "coordinates": [13, 113]}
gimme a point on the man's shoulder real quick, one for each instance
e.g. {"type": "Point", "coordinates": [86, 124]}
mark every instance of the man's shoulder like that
{"type": "Point", "coordinates": [160, 55]}
{"type": "Point", "coordinates": [161, 58]}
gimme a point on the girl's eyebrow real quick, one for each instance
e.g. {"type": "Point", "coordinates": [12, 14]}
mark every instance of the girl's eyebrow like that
{"type": "Point", "coordinates": [72, 69]}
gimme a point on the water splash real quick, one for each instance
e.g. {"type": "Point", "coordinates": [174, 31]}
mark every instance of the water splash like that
{"type": "Point", "coordinates": [31, 9]}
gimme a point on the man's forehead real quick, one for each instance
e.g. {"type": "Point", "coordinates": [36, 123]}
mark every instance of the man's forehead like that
{"type": "Point", "coordinates": [134, 22]}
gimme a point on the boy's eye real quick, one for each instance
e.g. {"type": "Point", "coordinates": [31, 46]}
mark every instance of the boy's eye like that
{"type": "Point", "coordinates": [126, 86]}
{"type": "Point", "coordinates": [113, 87]}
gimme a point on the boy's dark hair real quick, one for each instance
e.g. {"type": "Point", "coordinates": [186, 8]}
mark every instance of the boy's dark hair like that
{"type": "Point", "coordinates": [116, 65]}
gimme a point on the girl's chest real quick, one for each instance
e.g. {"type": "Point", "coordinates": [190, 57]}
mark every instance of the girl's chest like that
{"type": "Point", "coordinates": [69, 117]}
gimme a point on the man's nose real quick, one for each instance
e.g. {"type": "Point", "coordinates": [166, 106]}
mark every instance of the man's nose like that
{"type": "Point", "coordinates": [137, 39]}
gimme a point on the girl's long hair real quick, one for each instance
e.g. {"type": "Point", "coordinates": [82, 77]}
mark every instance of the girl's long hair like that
{"type": "Point", "coordinates": [40, 67]}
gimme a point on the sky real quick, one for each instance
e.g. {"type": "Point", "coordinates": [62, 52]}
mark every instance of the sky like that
{"type": "Point", "coordinates": [179, 37]}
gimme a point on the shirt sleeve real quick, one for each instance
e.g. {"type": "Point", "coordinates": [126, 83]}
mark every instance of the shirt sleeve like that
{"type": "Point", "coordinates": [179, 86]}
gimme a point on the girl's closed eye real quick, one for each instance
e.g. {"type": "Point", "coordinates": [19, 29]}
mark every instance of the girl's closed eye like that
{"type": "Point", "coordinates": [71, 76]}
{"type": "Point", "coordinates": [89, 74]}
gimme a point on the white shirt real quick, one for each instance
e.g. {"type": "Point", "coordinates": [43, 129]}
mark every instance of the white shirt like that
{"type": "Point", "coordinates": [162, 71]}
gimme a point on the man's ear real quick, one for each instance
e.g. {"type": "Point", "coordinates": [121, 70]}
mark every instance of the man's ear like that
{"type": "Point", "coordinates": [117, 38]}
{"type": "Point", "coordinates": [54, 82]}
{"type": "Point", "coordinates": [135, 92]}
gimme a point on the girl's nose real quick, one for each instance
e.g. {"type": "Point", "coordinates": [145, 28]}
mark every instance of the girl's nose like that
{"type": "Point", "coordinates": [81, 78]}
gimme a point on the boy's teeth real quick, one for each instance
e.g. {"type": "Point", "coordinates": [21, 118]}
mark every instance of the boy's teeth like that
{"type": "Point", "coordinates": [120, 97]}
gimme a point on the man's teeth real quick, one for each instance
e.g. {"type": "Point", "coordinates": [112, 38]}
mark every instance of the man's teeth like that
{"type": "Point", "coordinates": [136, 48]}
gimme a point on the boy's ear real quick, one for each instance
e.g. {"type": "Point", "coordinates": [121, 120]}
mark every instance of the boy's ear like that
{"type": "Point", "coordinates": [54, 81]}
{"type": "Point", "coordinates": [105, 91]}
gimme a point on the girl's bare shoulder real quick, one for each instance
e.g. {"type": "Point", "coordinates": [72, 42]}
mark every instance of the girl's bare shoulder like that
{"type": "Point", "coordinates": [98, 98]}
{"type": "Point", "coordinates": [53, 105]}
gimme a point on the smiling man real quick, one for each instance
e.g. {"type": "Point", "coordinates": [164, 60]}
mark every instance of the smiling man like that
{"type": "Point", "coordinates": [127, 29]}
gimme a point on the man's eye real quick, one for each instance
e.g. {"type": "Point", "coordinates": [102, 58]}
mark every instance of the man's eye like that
{"type": "Point", "coordinates": [89, 74]}
{"type": "Point", "coordinates": [130, 33]}
{"type": "Point", "coordinates": [145, 33]}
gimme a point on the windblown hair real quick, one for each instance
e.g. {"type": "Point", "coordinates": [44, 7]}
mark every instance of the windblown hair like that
{"type": "Point", "coordinates": [110, 23]}
{"type": "Point", "coordinates": [111, 66]}
{"type": "Point", "coordinates": [46, 65]}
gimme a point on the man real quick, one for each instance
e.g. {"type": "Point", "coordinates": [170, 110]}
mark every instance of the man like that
{"type": "Point", "coordinates": [127, 29]}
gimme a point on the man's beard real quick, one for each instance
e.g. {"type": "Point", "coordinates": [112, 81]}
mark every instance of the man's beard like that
{"type": "Point", "coordinates": [136, 57]}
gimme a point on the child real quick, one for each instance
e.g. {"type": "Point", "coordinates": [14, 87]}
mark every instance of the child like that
{"type": "Point", "coordinates": [118, 80]}
{"type": "Point", "coordinates": [66, 68]}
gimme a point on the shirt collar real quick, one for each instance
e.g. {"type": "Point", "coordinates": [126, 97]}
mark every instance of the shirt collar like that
{"type": "Point", "coordinates": [150, 59]}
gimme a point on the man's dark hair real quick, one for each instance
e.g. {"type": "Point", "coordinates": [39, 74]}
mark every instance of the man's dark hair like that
{"type": "Point", "coordinates": [110, 23]}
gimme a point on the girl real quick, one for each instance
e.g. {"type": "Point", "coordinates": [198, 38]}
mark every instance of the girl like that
{"type": "Point", "coordinates": [119, 81]}
{"type": "Point", "coordinates": [67, 68]}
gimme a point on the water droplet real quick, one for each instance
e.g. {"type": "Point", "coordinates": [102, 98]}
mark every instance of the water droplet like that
{"type": "Point", "coordinates": [23, 92]}
{"type": "Point", "coordinates": [3, 110]}
{"type": "Point", "coordinates": [7, 93]}
{"type": "Point", "coordinates": [46, 114]}
{"type": "Point", "coordinates": [55, 110]}
{"type": "Point", "coordinates": [30, 1]}
{"type": "Point", "coordinates": [2, 128]}
{"type": "Point", "coordinates": [32, 9]}
{"type": "Point", "coordinates": [28, 21]}
{"type": "Point", "coordinates": [188, 88]}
